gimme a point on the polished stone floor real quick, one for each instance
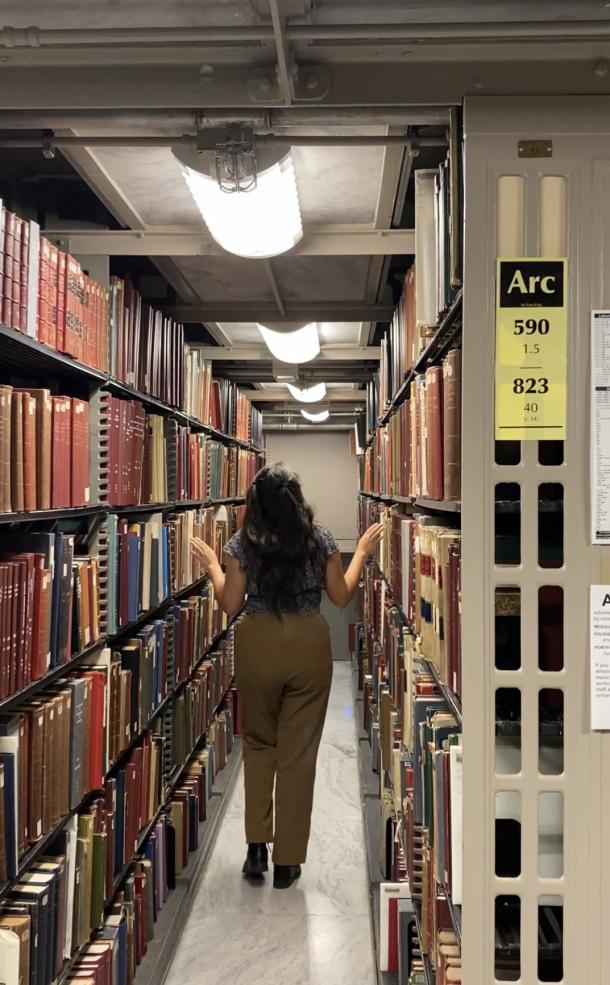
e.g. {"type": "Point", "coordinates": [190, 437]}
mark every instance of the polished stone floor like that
{"type": "Point", "coordinates": [318, 931]}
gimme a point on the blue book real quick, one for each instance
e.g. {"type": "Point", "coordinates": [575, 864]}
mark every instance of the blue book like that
{"type": "Point", "coordinates": [8, 762]}
{"type": "Point", "coordinates": [113, 572]}
{"type": "Point", "coordinates": [133, 573]}
{"type": "Point", "coordinates": [61, 611]}
{"type": "Point", "coordinates": [38, 897]}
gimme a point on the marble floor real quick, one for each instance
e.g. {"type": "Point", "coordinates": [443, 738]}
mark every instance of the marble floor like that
{"type": "Point", "coordinates": [318, 931]}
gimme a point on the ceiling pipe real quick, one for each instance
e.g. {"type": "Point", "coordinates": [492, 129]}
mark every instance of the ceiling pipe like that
{"type": "Point", "coordinates": [48, 144]}
{"type": "Point", "coordinates": [183, 121]}
{"type": "Point", "coordinates": [258, 35]}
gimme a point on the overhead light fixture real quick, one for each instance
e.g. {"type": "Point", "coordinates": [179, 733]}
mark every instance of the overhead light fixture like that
{"type": "Point", "coordinates": [292, 346]}
{"type": "Point", "coordinates": [247, 196]}
{"type": "Point", "coordinates": [317, 418]}
{"type": "Point", "coordinates": [308, 395]}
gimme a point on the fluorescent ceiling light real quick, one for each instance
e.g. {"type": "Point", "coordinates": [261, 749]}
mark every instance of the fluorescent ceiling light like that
{"type": "Point", "coordinates": [262, 222]}
{"type": "Point", "coordinates": [299, 346]}
{"type": "Point", "coordinates": [309, 395]}
{"type": "Point", "coordinates": [323, 415]}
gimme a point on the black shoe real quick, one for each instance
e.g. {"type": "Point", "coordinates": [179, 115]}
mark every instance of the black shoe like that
{"type": "Point", "coordinates": [256, 861]}
{"type": "Point", "coordinates": [285, 875]}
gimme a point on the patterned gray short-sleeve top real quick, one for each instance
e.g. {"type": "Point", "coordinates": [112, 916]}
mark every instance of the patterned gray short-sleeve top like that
{"type": "Point", "coordinates": [309, 595]}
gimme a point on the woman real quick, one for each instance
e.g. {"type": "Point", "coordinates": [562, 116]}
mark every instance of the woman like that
{"type": "Point", "coordinates": [279, 562]}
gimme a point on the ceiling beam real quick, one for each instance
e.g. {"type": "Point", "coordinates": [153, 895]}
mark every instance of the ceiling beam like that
{"type": "Point", "coordinates": [284, 74]}
{"type": "Point", "coordinates": [191, 241]}
{"type": "Point", "coordinates": [264, 312]}
{"type": "Point", "coordinates": [253, 353]}
{"type": "Point", "coordinates": [281, 396]}
{"type": "Point", "coordinates": [544, 68]}
{"type": "Point", "coordinates": [388, 184]}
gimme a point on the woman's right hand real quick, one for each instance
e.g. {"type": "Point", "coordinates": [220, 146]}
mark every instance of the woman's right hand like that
{"type": "Point", "coordinates": [370, 539]}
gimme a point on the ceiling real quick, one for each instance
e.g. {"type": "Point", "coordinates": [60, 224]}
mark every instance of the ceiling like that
{"type": "Point", "coordinates": [323, 69]}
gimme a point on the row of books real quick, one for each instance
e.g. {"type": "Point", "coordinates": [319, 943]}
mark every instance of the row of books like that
{"type": "Point", "coordinates": [431, 284]}
{"type": "Point", "coordinates": [49, 606]}
{"type": "Point", "coordinates": [146, 347]}
{"type": "Point", "coordinates": [206, 468]}
{"type": "Point", "coordinates": [47, 295]}
{"type": "Point", "coordinates": [130, 452]}
{"type": "Point", "coordinates": [55, 601]}
{"type": "Point", "coordinates": [79, 903]}
{"type": "Point", "coordinates": [418, 453]}
{"type": "Point", "coordinates": [192, 712]}
{"type": "Point", "coordinates": [416, 750]}
{"type": "Point", "coordinates": [59, 746]}
{"type": "Point", "coordinates": [421, 564]}
{"type": "Point", "coordinates": [44, 450]}
{"type": "Point", "coordinates": [44, 453]}
{"type": "Point", "coordinates": [149, 558]}
{"type": "Point", "coordinates": [218, 403]}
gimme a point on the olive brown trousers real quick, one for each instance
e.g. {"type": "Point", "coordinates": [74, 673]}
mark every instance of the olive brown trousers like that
{"type": "Point", "coordinates": [283, 668]}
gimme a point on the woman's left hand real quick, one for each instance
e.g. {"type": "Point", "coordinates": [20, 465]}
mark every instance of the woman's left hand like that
{"type": "Point", "coordinates": [205, 554]}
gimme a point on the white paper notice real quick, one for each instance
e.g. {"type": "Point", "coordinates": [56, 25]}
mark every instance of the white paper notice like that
{"type": "Point", "coordinates": [600, 656]}
{"type": "Point", "coordinates": [600, 427]}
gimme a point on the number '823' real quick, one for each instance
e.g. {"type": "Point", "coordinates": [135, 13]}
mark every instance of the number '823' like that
{"type": "Point", "coordinates": [531, 384]}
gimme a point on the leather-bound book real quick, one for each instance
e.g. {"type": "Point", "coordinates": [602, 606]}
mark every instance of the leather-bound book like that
{"type": "Point", "coordinates": [29, 451]}
{"type": "Point", "coordinates": [434, 426]}
{"type": "Point", "coordinates": [58, 463]}
{"type": "Point", "coordinates": [17, 461]}
{"type": "Point", "coordinates": [6, 393]}
{"type": "Point", "coordinates": [452, 424]}
{"type": "Point", "coordinates": [41, 467]}
{"type": "Point", "coordinates": [79, 452]}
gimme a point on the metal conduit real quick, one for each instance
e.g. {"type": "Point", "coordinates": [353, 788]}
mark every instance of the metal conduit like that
{"type": "Point", "coordinates": [188, 140]}
{"type": "Point", "coordinates": [34, 37]}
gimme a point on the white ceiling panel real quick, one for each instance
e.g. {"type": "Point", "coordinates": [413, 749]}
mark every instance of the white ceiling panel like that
{"type": "Point", "coordinates": [152, 180]}
{"type": "Point", "coordinates": [346, 332]}
{"type": "Point", "coordinates": [242, 333]}
{"type": "Point", "coordinates": [226, 278]}
{"type": "Point", "coordinates": [322, 278]}
{"type": "Point", "coordinates": [338, 184]}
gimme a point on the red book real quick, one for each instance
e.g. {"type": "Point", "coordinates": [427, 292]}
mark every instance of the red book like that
{"type": "Point", "coordinates": [60, 453]}
{"type": "Point", "coordinates": [79, 450]}
{"type": "Point", "coordinates": [29, 452]}
{"type": "Point", "coordinates": [4, 649]}
{"type": "Point", "coordinates": [42, 619]}
{"type": "Point", "coordinates": [96, 766]}
{"type": "Point", "coordinates": [58, 290]}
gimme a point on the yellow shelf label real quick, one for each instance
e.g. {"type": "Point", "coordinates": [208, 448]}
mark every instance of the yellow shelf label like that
{"type": "Point", "coordinates": [531, 349]}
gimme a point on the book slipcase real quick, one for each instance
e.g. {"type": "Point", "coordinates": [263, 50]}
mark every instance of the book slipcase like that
{"type": "Point", "coordinates": [187, 769]}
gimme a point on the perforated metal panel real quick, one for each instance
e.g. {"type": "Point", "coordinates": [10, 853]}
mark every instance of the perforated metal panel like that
{"type": "Point", "coordinates": [568, 880]}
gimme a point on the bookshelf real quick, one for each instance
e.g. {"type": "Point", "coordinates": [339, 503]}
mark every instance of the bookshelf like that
{"type": "Point", "coordinates": [166, 743]}
{"type": "Point", "coordinates": [408, 669]}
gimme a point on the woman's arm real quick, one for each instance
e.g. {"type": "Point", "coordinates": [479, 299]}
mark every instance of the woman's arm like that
{"type": "Point", "coordinates": [341, 585]}
{"type": "Point", "coordinates": [229, 587]}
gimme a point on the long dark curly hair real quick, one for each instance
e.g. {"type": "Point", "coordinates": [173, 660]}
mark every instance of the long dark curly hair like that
{"type": "Point", "coordinates": [279, 536]}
